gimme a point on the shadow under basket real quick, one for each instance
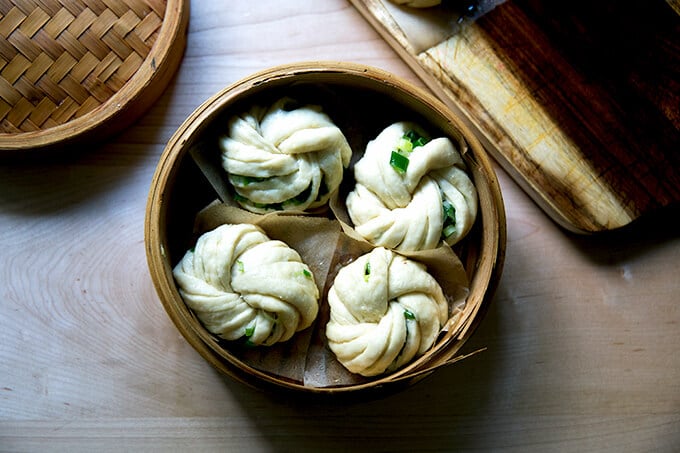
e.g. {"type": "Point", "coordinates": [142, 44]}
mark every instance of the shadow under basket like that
{"type": "Point", "coordinates": [361, 101]}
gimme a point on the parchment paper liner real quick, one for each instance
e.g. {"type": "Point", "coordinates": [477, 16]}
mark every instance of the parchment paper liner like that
{"type": "Point", "coordinates": [326, 241]}
{"type": "Point", "coordinates": [325, 248]}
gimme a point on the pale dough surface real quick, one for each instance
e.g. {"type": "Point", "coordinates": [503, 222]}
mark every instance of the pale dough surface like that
{"type": "Point", "coordinates": [285, 157]}
{"type": "Point", "coordinates": [240, 283]}
{"type": "Point", "coordinates": [405, 211]}
{"type": "Point", "coordinates": [385, 310]}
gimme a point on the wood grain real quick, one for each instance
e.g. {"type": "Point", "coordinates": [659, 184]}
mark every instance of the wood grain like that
{"type": "Point", "coordinates": [578, 102]}
{"type": "Point", "coordinates": [581, 340]}
{"type": "Point", "coordinates": [179, 191]}
{"type": "Point", "coordinates": [74, 72]}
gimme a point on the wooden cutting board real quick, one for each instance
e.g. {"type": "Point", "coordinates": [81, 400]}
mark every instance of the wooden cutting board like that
{"type": "Point", "coordinates": [578, 101]}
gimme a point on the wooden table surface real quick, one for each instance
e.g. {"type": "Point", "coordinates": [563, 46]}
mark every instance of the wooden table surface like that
{"type": "Point", "coordinates": [582, 336]}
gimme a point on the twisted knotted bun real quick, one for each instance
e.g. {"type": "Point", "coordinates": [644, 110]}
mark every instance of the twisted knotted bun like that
{"type": "Point", "coordinates": [240, 283]}
{"type": "Point", "coordinates": [286, 157]}
{"type": "Point", "coordinates": [384, 310]}
{"type": "Point", "coordinates": [415, 199]}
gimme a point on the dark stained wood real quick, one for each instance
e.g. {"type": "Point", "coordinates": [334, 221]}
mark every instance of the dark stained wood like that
{"type": "Point", "coordinates": [610, 76]}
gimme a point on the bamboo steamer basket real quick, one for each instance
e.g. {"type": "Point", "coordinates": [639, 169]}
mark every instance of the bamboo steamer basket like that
{"type": "Point", "coordinates": [179, 190]}
{"type": "Point", "coordinates": [75, 71]}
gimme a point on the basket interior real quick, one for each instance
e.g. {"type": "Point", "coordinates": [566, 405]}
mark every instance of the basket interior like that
{"type": "Point", "coordinates": [361, 107]}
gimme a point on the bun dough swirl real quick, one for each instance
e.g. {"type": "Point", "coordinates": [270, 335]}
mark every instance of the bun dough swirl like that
{"type": "Point", "coordinates": [240, 283]}
{"type": "Point", "coordinates": [385, 310]}
{"type": "Point", "coordinates": [432, 199]}
{"type": "Point", "coordinates": [285, 157]}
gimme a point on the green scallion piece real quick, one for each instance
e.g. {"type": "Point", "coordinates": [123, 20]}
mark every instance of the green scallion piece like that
{"type": "Point", "coordinates": [420, 141]}
{"type": "Point", "coordinates": [250, 331]}
{"type": "Point", "coordinates": [411, 135]}
{"type": "Point", "coordinates": [367, 270]}
{"type": "Point", "coordinates": [239, 266]}
{"type": "Point", "coordinates": [448, 230]}
{"type": "Point", "coordinates": [404, 145]}
{"type": "Point", "coordinates": [399, 162]}
{"type": "Point", "coordinates": [240, 198]}
{"type": "Point", "coordinates": [449, 226]}
{"type": "Point", "coordinates": [415, 138]}
{"type": "Point", "coordinates": [241, 180]}
{"type": "Point", "coordinates": [449, 210]}
{"type": "Point", "coordinates": [409, 315]}
{"type": "Point", "coordinates": [306, 273]}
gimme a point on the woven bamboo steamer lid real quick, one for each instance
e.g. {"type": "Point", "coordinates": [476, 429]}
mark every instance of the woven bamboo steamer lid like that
{"type": "Point", "coordinates": [179, 190]}
{"type": "Point", "coordinates": [72, 71]}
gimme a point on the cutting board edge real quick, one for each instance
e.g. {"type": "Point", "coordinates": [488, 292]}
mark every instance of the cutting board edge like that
{"type": "Point", "coordinates": [507, 165]}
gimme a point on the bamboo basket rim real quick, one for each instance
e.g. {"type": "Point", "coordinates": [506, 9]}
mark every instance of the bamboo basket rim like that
{"type": "Point", "coordinates": [482, 287]}
{"type": "Point", "coordinates": [125, 105]}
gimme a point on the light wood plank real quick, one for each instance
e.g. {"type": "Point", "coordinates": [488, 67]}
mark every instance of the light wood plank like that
{"type": "Point", "coordinates": [581, 339]}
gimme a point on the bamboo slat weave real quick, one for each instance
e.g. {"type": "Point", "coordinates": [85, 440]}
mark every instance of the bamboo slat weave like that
{"type": "Point", "coordinates": [60, 59]}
